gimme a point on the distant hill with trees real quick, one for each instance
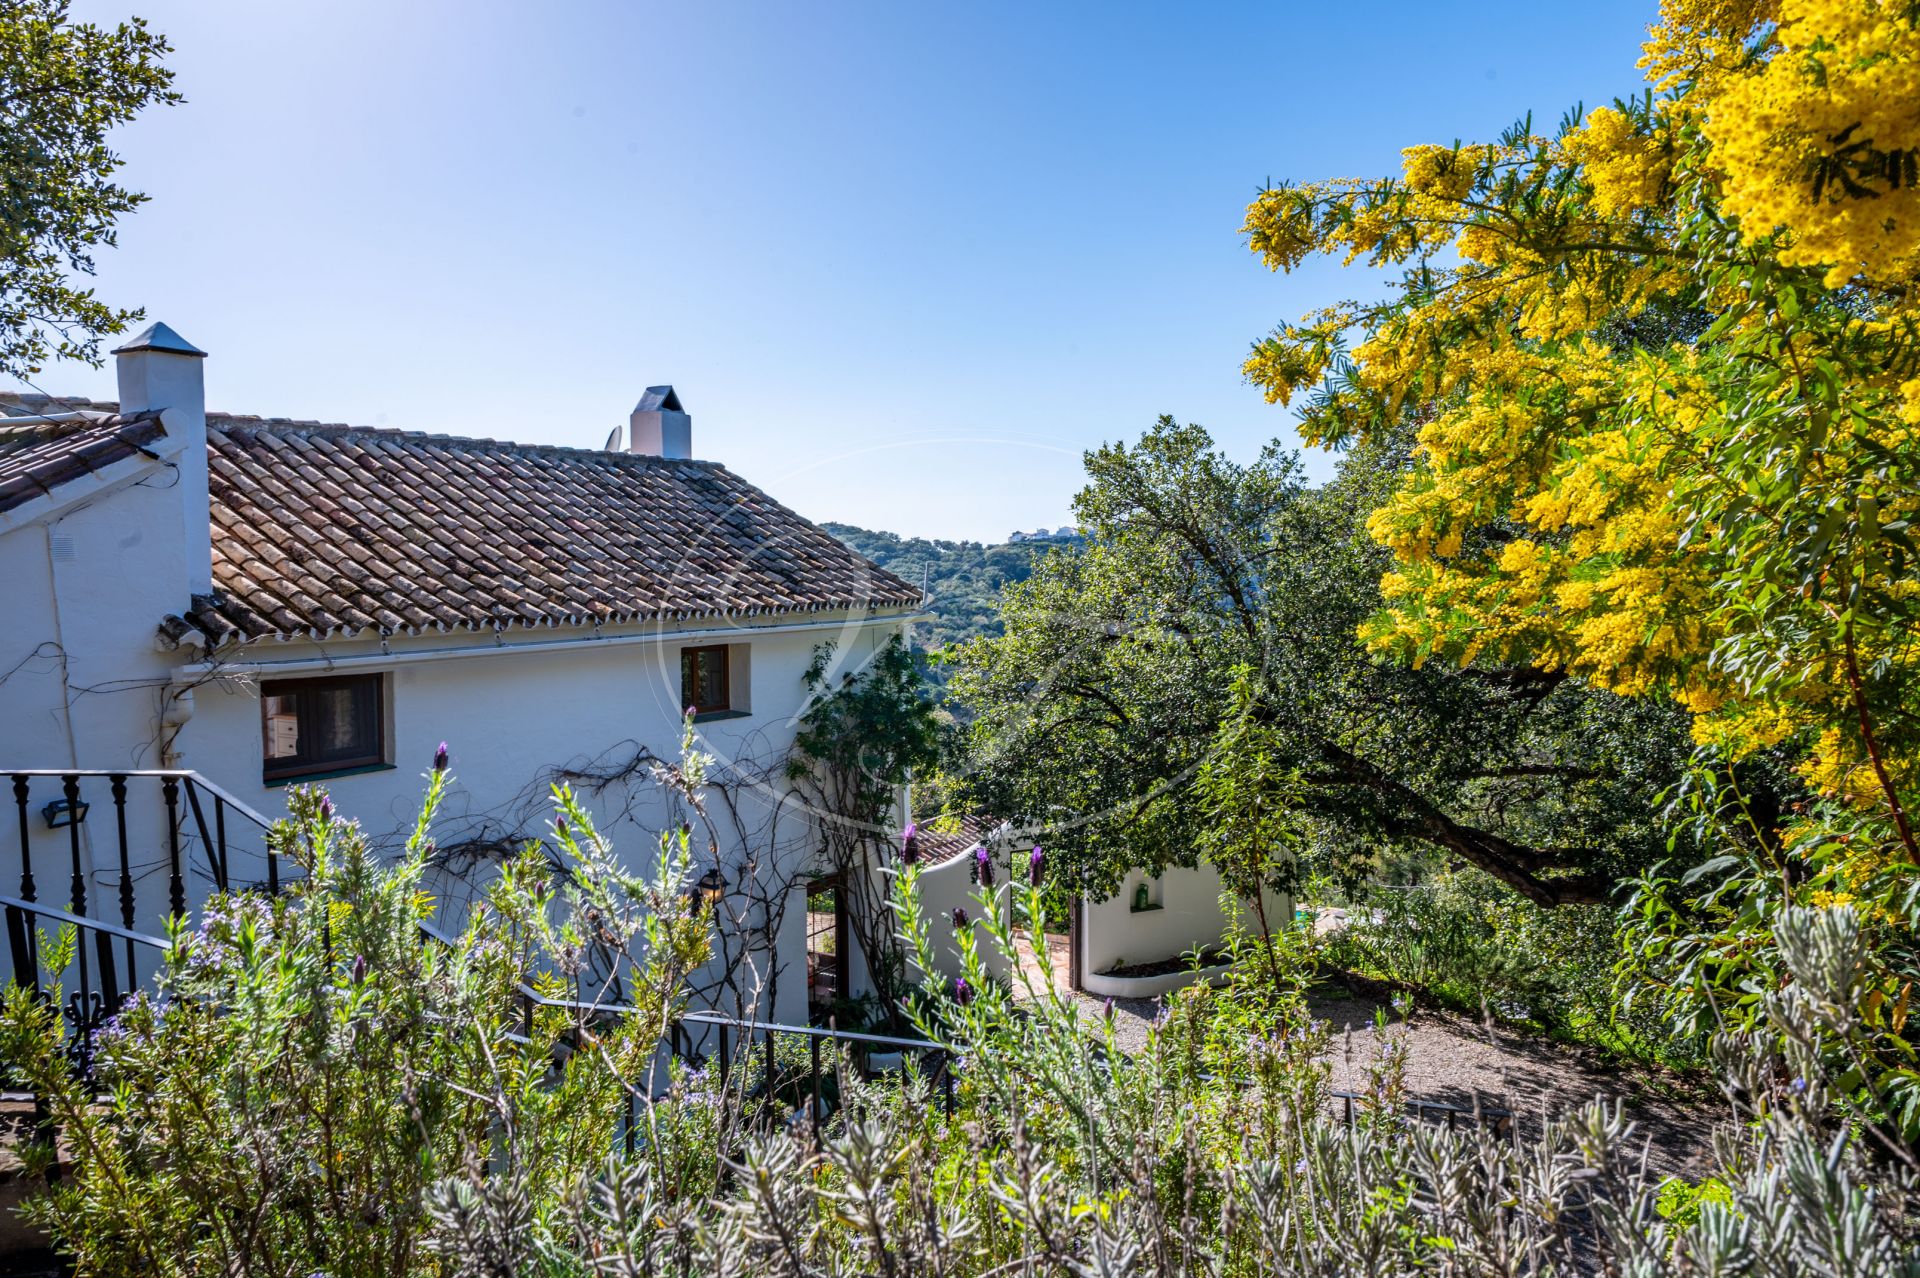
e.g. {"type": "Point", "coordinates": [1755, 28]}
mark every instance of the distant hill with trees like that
{"type": "Point", "coordinates": [964, 577]}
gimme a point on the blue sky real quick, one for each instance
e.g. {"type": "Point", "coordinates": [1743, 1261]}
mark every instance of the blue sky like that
{"type": "Point", "coordinates": [904, 262]}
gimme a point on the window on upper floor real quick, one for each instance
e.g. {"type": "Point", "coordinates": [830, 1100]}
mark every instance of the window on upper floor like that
{"type": "Point", "coordinates": [312, 727]}
{"type": "Point", "coordinates": [713, 680]}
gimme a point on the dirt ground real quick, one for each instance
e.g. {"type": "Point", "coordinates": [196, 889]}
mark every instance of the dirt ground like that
{"type": "Point", "coordinates": [1458, 1061]}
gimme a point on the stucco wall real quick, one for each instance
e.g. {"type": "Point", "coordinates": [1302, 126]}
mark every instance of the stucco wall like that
{"type": "Point", "coordinates": [513, 722]}
{"type": "Point", "coordinates": [948, 886]}
{"type": "Point", "coordinates": [87, 686]}
{"type": "Point", "coordinates": [82, 683]}
{"type": "Point", "coordinates": [1189, 915]}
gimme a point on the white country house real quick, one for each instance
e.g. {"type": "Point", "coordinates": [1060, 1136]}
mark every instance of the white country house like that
{"type": "Point", "coordinates": [203, 608]}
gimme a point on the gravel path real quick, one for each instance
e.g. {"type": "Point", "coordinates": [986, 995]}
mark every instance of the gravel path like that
{"type": "Point", "coordinates": [1458, 1061]}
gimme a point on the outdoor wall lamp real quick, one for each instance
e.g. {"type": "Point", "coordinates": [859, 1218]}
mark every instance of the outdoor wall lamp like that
{"type": "Point", "coordinates": [62, 813]}
{"type": "Point", "coordinates": [710, 888]}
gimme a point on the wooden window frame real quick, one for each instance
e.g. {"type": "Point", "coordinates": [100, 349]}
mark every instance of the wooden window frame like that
{"type": "Point", "coordinates": [687, 657]}
{"type": "Point", "coordinates": [301, 768]}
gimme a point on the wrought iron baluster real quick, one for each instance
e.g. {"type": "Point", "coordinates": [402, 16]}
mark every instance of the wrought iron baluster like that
{"type": "Point", "coordinates": [220, 833]}
{"type": "Point", "coordinates": [26, 963]}
{"type": "Point", "coordinates": [200, 824]}
{"type": "Point", "coordinates": [118, 784]}
{"type": "Point", "coordinates": [27, 889]}
{"type": "Point", "coordinates": [176, 886]}
{"type": "Point", "coordinates": [78, 888]}
{"type": "Point", "coordinates": [103, 1005]}
{"type": "Point", "coordinates": [26, 840]}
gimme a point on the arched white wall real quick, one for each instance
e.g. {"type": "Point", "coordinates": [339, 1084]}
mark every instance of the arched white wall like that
{"type": "Point", "coordinates": [948, 886]}
{"type": "Point", "coordinates": [1188, 914]}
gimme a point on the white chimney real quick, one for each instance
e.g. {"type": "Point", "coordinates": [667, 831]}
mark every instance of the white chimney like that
{"type": "Point", "coordinates": [659, 427]}
{"type": "Point", "coordinates": [161, 370]}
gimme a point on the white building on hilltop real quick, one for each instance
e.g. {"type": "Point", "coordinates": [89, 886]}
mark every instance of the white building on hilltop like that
{"type": "Point", "coordinates": [262, 602]}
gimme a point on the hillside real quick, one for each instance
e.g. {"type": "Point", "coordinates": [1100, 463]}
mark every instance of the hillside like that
{"type": "Point", "coordinates": [964, 577]}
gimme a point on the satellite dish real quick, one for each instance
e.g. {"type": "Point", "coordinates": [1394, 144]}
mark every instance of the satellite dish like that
{"type": "Point", "coordinates": [613, 441]}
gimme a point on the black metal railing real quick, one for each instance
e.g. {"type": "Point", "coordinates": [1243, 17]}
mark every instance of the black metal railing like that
{"type": "Point", "coordinates": [188, 800]}
{"type": "Point", "coordinates": [102, 992]}
{"type": "Point", "coordinates": [187, 816]}
{"type": "Point", "coordinates": [939, 1070]}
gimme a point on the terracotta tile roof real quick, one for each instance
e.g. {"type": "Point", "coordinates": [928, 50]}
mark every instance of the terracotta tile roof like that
{"type": "Point", "coordinates": [36, 459]}
{"type": "Point", "coordinates": [322, 530]}
{"type": "Point", "coordinates": [937, 848]}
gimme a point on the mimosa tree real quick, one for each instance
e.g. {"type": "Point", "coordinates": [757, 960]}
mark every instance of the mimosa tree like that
{"type": "Point", "coordinates": [1665, 361]}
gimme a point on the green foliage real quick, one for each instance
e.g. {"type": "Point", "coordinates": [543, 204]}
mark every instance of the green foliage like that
{"type": "Point", "coordinates": [1250, 792]}
{"type": "Point", "coordinates": [1681, 1202]}
{"type": "Point", "coordinates": [1106, 696]}
{"type": "Point", "coordinates": [313, 1067]}
{"type": "Point", "coordinates": [873, 728]}
{"type": "Point", "coordinates": [862, 736]}
{"type": "Point", "coordinates": [63, 86]}
{"type": "Point", "coordinates": [1475, 946]}
{"type": "Point", "coordinates": [291, 1110]}
{"type": "Point", "coordinates": [963, 578]}
{"type": "Point", "coordinates": [1699, 951]}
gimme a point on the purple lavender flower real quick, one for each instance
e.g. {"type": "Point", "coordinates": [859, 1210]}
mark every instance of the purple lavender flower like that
{"type": "Point", "coordinates": [982, 866]}
{"type": "Point", "coordinates": [326, 809]}
{"type": "Point", "coordinates": [962, 992]}
{"type": "Point", "coordinates": [440, 758]}
{"type": "Point", "coordinates": [359, 969]}
{"type": "Point", "coordinates": [910, 843]}
{"type": "Point", "coordinates": [1107, 1010]}
{"type": "Point", "coordinates": [959, 917]}
{"type": "Point", "coordinates": [1036, 866]}
{"type": "Point", "coordinates": [110, 1030]}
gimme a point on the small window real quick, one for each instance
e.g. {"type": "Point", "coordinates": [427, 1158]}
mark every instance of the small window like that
{"type": "Point", "coordinates": [312, 726]}
{"type": "Point", "coordinates": [704, 679]}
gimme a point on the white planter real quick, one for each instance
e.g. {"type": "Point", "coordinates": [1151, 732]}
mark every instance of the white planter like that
{"type": "Point", "coordinates": [1151, 986]}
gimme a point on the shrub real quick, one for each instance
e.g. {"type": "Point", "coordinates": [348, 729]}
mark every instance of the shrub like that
{"type": "Point", "coordinates": [312, 1065]}
{"type": "Point", "coordinates": [1477, 947]}
{"type": "Point", "coordinates": [316, 1092]}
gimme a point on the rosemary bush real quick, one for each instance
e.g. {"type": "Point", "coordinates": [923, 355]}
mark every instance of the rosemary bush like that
{"type": "Point", "coordinates": [314, 1064]}
{"type": "Point", "coordinates": [317, 1092]}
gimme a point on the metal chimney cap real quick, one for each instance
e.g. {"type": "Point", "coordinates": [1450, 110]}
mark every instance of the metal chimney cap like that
{"type": "Point", "coordinates": [158, 337]}
{"type": "Point", "coordinates": [659, 399]}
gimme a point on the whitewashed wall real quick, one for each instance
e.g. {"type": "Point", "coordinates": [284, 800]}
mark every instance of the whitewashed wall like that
{"type": "Point", "coordinates": [87, 686]}
{"type": "Point", "coordinates": [948, 886]}
{"type": "Point", "coordinates": [1190, 914]}
{"type": "Point", "coordinates": [512, 720]}
{"type": "Point", "coordinates": [82, 683]}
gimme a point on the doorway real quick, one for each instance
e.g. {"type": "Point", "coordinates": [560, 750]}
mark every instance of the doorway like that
{"type": "Point", "coordinates": [827, 966]}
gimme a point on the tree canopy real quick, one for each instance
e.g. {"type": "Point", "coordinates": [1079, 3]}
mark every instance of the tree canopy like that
{"type": "Point", "coordinates": [1097, 710]}
{"type": "Point", "coordinates": [1665, 361]}
{"type": "Point", "coordinates": [63, 86]}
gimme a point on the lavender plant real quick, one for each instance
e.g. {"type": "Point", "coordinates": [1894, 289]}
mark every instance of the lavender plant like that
{"type": "Point", "coordinates": [319, 1093]}
{"type": "Point", "coordinates": [316, 1069]}
{"type": "Point", "coordinates": [1070, 1157]}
